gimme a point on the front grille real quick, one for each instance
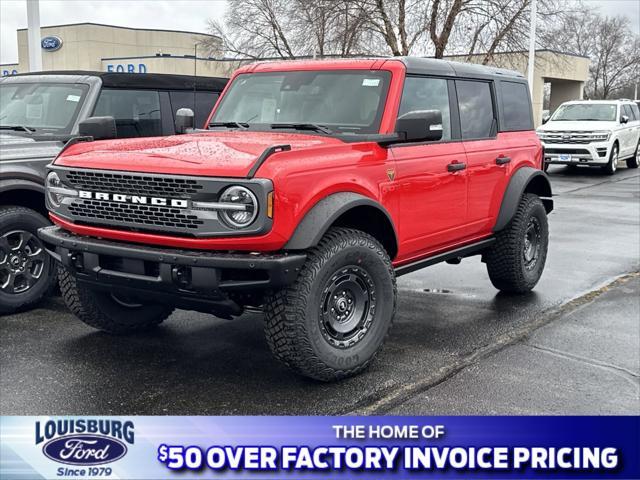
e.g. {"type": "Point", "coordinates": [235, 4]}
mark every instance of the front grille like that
{"type": "Point", "coordinates": [161, 186]}
{"type": "Point", "coordinates": [144, 202]}
{"type": "Point", "coordinates": [568, 137]}
{"type": "Point", "coordinates": [105, 212]}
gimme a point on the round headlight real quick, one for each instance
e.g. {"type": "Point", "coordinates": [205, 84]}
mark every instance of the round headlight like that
{"type": "Point", "coordinates": [243, 207]}
{"type": "Point", "coordinates": [53, 181]}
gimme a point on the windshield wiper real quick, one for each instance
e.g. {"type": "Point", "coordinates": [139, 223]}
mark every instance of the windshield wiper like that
{"type": "Point", "coordinates": [17, 128]}
{"type": "Point", "coordinates": [303, 126]}
{"type": "Point", "coordinates": [230, 125]}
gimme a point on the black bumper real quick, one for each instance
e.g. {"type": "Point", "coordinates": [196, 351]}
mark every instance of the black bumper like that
{"type": "Point", "coordinates": [199, 280]}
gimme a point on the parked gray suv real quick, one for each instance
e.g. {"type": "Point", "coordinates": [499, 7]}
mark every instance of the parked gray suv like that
{"type": "Point", "coordinates": [39, 114]}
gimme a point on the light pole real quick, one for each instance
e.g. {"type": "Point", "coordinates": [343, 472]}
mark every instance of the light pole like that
{"type": "Point", "coordinates": [532, 44]}
{"type": "Point", "coordinates": [33, 35]}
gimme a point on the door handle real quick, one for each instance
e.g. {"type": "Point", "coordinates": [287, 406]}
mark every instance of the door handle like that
{"type": "Point", "coordinates": [502, 160]}
{"type": "Point", "coordinates": [456, 166]}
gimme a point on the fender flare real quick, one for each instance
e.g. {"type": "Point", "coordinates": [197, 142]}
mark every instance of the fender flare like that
{"type": "Point", "coordinates": [518, 185]}
{"type": "Point", "coordinates": [323, 214]}
{"type": "Point", "coordinates": [12, 184]}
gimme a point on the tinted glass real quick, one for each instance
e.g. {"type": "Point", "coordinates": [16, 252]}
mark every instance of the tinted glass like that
{"type": "Point", "coordinates": [476, 109]}
{"type": "Point", "coordinates": [137, 112]}
{"type": "Point", "coordinates": [636, 111]}
{"type": "Point", "coordinates": [427, 94]}
{"type": "Point", "coordinates": [584, 112]}
{"type": "Point", "coordinates": [344, 101]}
{"type": "Point", "coordinates": [204, 102]}
{"type": "Point", "coordinates": [46, 107]}
{"type": "Point", "coordinates": [516, 106]}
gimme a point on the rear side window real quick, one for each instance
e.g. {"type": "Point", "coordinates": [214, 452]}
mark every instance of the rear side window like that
{"type": "Point", "coordinates": [516, 107]}
{"type": "Point", "coordinates": [477, 117]}
{"type": "Point", "coordinates": [427, 94]}
{"type": "Point", "coordinates": [137, 112]}
{"type": "Point", "coordinates": [636, 111]}
{"type": "Point", "coordinates": [202, 107]}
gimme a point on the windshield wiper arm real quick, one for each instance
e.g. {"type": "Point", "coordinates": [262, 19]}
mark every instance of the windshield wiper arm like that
{"type": "Point", "coordinates": [17, 128]}
{"type": "Point", "coordinates": [230, 125]}
{"type": "Point", "coordinates": [303, 126]}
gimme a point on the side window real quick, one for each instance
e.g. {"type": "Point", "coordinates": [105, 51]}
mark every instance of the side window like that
{"type": "Point", "coordinates": [204, 102]}
{"type": "Point", "coordinates": [636, 111]}
{"type": "Point", "coordinates": [477, 117]}
{"type": "Point", "coordinates": [422, 93]}
{"type": "Point", "coordinates": [516, 107]}
{"type": "Point", "coordinates": [627, 111]}
{"type": "Point", "coordinates": [137, 112]}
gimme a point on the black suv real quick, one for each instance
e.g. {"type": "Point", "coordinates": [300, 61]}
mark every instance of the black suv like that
{"type": "Point", "coordinates": [39, 114]}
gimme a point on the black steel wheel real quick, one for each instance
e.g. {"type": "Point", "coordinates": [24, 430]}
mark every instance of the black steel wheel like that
{"type": "Point", "coordinates": [532, 243]}
{"type": "Point", "coordinates": [347, 307]}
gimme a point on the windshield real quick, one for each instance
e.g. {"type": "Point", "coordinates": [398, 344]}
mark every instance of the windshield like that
{"type": "Point", "coordinates": [41, 107]}
{"type": "Point", "coordinates": [342, 101]}
{"type": "Point", "coordinates": [584, 112]}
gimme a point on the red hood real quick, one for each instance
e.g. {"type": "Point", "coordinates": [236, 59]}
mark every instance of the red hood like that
{"type": "Point", "coordinates": [221, 154]}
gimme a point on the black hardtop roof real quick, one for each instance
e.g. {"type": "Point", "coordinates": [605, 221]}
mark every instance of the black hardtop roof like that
{"type": "Point", "coordinates": [155, 81]}
{"type": "Point", "coordinates": [448, 68]}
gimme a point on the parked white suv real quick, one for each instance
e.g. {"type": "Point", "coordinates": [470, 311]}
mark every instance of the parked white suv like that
{"type": "Point", "coordinates": [594, 133]}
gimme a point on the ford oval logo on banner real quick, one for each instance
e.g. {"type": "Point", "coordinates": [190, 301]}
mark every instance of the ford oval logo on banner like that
{"type": "Point", "coordinates": [51, 44]}
{"type": "Point", "coordinates": [84, 450]}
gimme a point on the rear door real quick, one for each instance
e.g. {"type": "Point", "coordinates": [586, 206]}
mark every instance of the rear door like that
{"type": "Point", "coordinates": [433, 194]}
{"type": "Point", "coordinates": [488, 156]}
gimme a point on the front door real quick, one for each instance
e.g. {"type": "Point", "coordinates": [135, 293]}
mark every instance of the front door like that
{"type": "Point", "coordinates": [431, 177]}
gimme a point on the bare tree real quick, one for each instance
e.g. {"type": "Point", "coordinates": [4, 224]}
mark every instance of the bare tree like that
{"type": "Point", "coordinates": [608, 41]}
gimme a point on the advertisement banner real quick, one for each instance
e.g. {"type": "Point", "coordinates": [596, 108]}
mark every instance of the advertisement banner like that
{"type": "Point", "coordinates": [319, 447]}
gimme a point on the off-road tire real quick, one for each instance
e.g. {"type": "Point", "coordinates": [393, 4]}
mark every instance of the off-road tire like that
{"type": "Point", "coordinates": [612, 166]}
{"type": "Point", "coordinates": [505, 259]}
{"type": "Point", "coordinates": [634, 162]}
{"type": "Point", "coordinates": [101, 311]}
{"type": "Point", "coordinates": [293, 326]}
{"type": "Point", "coordinates": [13, 218]}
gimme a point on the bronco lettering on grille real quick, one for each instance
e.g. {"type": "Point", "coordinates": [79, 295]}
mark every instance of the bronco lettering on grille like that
{"type": "Point", "coordinates": [139, 199]}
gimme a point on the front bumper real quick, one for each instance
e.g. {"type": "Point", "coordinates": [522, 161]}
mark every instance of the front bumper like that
{"type": "Point", "coordinates": [596, 153]}
{"type": "Point", "coordinates": [198, 280]}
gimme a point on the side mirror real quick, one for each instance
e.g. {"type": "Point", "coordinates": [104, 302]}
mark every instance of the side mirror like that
{"type": "Point", "coordinates": [184, 120]}
{"type": "Point", "coordinates": [624, 119]}
{"type": "Point", "coordinates": [100, 128]}
{"type": "Point", "coordinates": [545, 119]}
{"type": "Point", "coordinates": [420, 126]}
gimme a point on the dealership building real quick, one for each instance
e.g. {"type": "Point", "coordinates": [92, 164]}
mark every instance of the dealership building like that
{"type": "Point", "coordinates": [97, 47]}
{"type": "Point", "coordinates": [109, 48]}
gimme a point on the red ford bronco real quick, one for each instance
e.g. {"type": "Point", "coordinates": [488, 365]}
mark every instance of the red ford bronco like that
{"type": "Point", "coordinates": [311, 188]}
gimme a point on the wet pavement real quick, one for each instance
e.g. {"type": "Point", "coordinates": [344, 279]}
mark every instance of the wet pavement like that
{"type": "Point", "coordinates": [455, 346]}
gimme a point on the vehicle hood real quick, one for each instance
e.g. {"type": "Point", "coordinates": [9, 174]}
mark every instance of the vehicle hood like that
{"type": "Point", "coordinates": [19, 147]}
{"type": "Point", "coordinates": [224, 154]}
{"type": "Point", "coordinates": [576, 126]}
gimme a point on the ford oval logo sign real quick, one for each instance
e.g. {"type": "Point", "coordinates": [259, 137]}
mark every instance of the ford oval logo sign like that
{"type": "Point", "coordinates": [51, 44]}
{"type": "Point", "coordinates": [84, 449]}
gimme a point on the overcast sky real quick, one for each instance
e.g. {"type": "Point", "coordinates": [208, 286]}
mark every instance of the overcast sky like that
{"type": "Point", "coordinates": [189, 15]}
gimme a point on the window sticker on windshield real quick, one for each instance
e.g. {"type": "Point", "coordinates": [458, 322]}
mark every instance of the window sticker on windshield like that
{"type": "Point", "coordinates": [34, 110]}
{"type": "Point", "coordinates": [370, 82]}
{"type": "Point", "coordinates": [73, 98]}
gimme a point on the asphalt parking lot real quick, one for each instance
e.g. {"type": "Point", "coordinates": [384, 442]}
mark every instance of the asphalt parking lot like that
{"type": "Point", "coordinates": [457, 346]}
